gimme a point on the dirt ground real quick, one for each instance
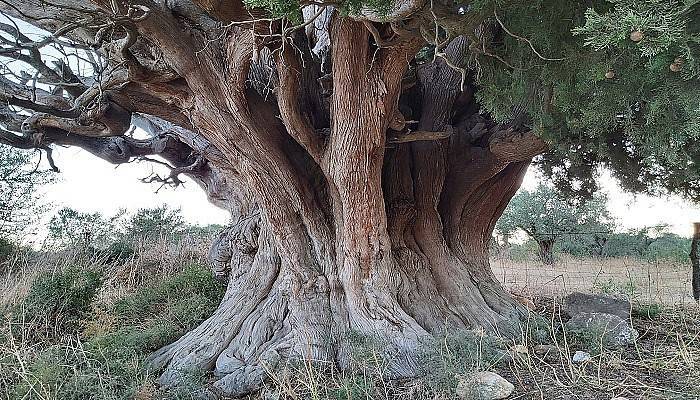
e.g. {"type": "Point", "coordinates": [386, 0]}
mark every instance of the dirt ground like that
{"type": "Point", "coordinates": [643, 282]}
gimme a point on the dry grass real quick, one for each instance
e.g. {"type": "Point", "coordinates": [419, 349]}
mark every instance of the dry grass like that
{"type": "Point", "coordinates": [663, 364]}
{"type": "Point", "coordinates": [153, 260]}
{"type": "Point", "coordinates": [642, 281]}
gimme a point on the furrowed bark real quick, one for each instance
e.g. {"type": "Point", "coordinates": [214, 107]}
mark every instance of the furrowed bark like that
{"type": "Point", "coordinates": [360, 205]}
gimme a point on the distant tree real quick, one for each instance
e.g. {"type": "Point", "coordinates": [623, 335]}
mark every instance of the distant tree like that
{"type": "Point", "coordinates": [149, 223]}
{"type": "Point", "coordinates": [20, 199]}
{"type": "Point", "coordinates": [82, 230]}
{"type": "Point", "coordinates": [545, 217]}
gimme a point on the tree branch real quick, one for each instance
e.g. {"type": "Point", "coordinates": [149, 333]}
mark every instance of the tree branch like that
{"type": "Point", "coordinates": [512, 146]}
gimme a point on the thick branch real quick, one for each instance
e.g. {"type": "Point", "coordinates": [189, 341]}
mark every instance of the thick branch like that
{"type": "Point", "coordinates": [511, 146]}
{"type": "Point", "coordinates": [290, 101]}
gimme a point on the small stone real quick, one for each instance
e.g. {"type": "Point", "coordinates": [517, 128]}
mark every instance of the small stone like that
{"type": "Point", "coordinates": [675, 67]}
{"type": "Point", "coordinates": [636, 36]}
{"type": "Point", "coordinates": [619, 398]}
{"type": "Point", "coordinates": [610, 74]}
{"type": "Point", "coordinates": [581, 356]}
{"type": "Point", "coordinates": [615, 331]}
{"type": "Point", "coordinates": [484, 385]}
{"type": "Point", "coordinates": [547, 351]}
{"type": "Point", "coordinates": [594, 303]}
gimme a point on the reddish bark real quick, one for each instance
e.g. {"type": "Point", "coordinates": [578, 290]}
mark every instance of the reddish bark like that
{"type": "Point", "coordinates": [337, 230]}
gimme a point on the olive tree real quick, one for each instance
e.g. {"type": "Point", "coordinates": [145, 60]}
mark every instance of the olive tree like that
{"type": "Point", "coordinates": [546, 218]}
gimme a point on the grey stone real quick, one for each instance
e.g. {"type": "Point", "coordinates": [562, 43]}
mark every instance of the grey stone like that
{"type": "Point", "coordinates": [581, 356]}
{"type": "Point", "coordinates": [576, 303]}
{"type": "Point", "coordinates": [547, 351]}
{"type": "Point", "coordinates": [484, 385]}
{"type": "Point", "coordinates": [615, 331]}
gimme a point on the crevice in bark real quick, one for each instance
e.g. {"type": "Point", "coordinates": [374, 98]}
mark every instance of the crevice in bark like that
{"type": "Point", "coordinates": [334, 233]}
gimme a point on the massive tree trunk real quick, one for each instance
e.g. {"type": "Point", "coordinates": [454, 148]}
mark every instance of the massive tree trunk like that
{"type": "Point", "coordinates": [363, 186]}
{"type": "Point", "coordinates": [349, 234]}
{"type": "Point", "coordinates": [546, 251]}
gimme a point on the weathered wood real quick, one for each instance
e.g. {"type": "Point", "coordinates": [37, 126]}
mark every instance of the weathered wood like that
{"type": "Point", "coordinates": [417, 136]}
{"type": "Point", "coordinates": [332, 232]}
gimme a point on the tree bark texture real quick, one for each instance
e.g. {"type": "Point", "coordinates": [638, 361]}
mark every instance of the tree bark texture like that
{"type": "Point", "coordinates": [546, 251]}
{"type": "Point", "coordinates": [363, 185]}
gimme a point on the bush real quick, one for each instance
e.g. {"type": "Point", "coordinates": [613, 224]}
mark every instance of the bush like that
{"type": "Point", "coordinates": [57, 303]}
{"type": "Point", "coordinates": [107, 363]}
{"type": "Point", "coordinates": [190, 295]}
{"type": "Point", "coordinates": [7, 249]}
{"type": "Point", "coordinates": [118, 252]}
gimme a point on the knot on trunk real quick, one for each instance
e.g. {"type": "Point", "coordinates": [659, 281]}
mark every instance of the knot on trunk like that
{"type": "Point", "coordinates": [239, 238]}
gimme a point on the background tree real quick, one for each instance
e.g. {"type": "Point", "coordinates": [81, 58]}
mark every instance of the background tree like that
{"type": "Point", "coordinates": [365, 150]}
{"type": "Point", "coordinates": [20, 197]}
{"type": "Point", "coordinates": [83, 230]}
{"type": "Point", "coordinates": [545, 217]}
{"type": "Point", "coordinates": [150, 223]}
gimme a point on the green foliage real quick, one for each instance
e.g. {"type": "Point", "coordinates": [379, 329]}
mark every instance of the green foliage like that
{"type": "Point", "coordinates": [187, 296]}
{"type": "Point", "coordinates": [661, 23]}
{"type": "Point", "coordinates": [455, 355]}
{"type": "Point", "coordinates": [289, 9]}
{"type": "Point", "coordinates": [81, 230]}
{"type": "Point", "coordinates": [20, 204]}
{"type": "Point", "coordinates": [7, 249]}
{"type": "Point", "coordinates": [647, 311]}
{"type": "Point", "coordinates": [543, 214]}
{"type": "Point", "coordinates": [58, 302]}
{"type": "Point", "coordinates": [118, 252]}
{"type": "Point", "coordinates": [641, 120]}
{"type": "Point", "coordinates": [117, 238]}
{"type": "Point", "coordinates": [613, 287]}
{"type": "Point", "coordinates": [649, 243]}
{"type": "Point", "coordinates": [148, 223]}
{"type": "Point", "coordinates": [105, 360]}
{"type": "Point", "coordinates": [545, 217]}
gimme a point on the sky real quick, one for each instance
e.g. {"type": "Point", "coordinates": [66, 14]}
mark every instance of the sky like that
{"type": "Point", "coordinates": [87, 183]}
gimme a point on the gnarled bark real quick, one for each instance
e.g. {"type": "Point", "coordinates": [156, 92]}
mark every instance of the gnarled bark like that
{"type": "Point", "coordinates": [362, 203]}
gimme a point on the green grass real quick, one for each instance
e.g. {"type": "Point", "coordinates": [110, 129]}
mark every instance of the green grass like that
{"type": "Point", "coordinates": [100, 353]}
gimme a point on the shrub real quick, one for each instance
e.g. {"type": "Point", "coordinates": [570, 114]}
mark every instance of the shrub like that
{"type": "Point", "coordinates": [7, 249]}
{"type": "Point", "coordinates": [57, 303]}
{"type": "Point", "coordinates": [455, 355]}
{"type": "Point", "coordinates": [118, 252]}
{"type": "Point", "coordinates": [109, 363]}
{"type": "Point", "coordinates": [647, 311]}
{"type": "Point", "coordinates": [187, 296]}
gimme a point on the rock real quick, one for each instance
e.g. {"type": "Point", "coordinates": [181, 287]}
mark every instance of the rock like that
{"type": "Point", "coordinates": [576, 303]}
{"type": "Point", "coordinates": [547, 351]}
{"type": "Point", "coordinates": [580, 356]}
{"type": "Point", "coordinates": [619, 398]}
{"type": "Point", "coordinates": [615, 331]}
{"type": "Point", "coordinates": [484, 385]}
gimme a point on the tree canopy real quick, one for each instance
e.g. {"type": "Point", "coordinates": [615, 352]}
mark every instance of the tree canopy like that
{"type": "Point", "coordinates": [610, 83]}
{"type": "Point", "coordinates": [545, 217]}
